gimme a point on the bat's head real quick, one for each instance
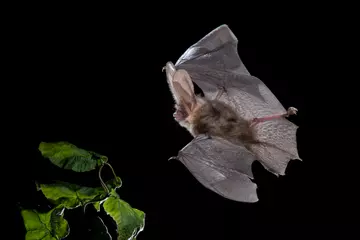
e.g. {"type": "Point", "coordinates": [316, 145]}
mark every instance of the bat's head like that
{"type": "Point", "coordinates": [182, 89]}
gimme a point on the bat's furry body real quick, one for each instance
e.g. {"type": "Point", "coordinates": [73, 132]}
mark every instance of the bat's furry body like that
{"type": "Point", "coordinates": [215, 118]}
{"type": "Point", "coordinates": [226, 140]}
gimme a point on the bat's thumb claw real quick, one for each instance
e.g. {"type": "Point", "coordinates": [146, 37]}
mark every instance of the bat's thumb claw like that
{"type": "Point", "coordinates": [172, 158]}
{"type": "Point", "coordinates": [163, 69]}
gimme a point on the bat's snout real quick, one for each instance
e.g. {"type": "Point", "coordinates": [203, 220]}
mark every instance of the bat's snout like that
{"type": "Point", "coordinates": [180, 115]}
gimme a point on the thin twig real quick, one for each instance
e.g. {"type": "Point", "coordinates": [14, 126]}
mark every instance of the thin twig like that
{"type": "Point", "coordinates": [102, 182]}
{"type": "Point", "coordinates": [111, 169]}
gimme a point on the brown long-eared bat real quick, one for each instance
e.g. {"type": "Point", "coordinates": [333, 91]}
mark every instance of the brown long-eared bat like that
{"type": "Point", "coordinates": [238, 120]}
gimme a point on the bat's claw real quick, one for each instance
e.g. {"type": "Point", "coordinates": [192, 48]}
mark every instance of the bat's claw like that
{"type": "Point", "coordinates": [291, 111]}
{"type": "Point", "coordinates": [173, 158]}
{"type": "Point", "coordinates": [163, 69]}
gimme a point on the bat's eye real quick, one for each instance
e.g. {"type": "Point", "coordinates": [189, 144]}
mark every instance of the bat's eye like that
{"type": "Point", "coordinates": [232, 119]}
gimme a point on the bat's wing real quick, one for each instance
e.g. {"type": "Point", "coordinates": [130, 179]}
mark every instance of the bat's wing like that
{"type": "Point", "coordinates": [214, 65]}
{"type": "Point", "coordinates": [221, 166]}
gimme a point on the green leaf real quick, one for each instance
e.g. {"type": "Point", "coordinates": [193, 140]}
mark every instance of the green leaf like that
{"type": "Point", "coordinates": [114, 183]}
{"type": "Point", "coordinates": [130, 221]}
{"type": "Point", "coordinates": [68, 156]}
{"type": "Point", "coordinates": [73, 196]}
{"type": "Point", "coordinates": [97, 206]}
{"type": "Point", "coordinates": [45, 226]}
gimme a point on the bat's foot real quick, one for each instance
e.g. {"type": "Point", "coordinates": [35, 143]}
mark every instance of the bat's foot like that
{"type": "Point", "coordinates": [291, 111]}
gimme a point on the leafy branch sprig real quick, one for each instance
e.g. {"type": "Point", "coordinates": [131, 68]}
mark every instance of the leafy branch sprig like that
{"type": "Point", "coordinates": [52, 225]}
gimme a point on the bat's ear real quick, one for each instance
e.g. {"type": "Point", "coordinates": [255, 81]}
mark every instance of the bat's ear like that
{"type": "Point", "coordinates": [184, 88]}
{"type": "Point", "coordinates": [182, 77]}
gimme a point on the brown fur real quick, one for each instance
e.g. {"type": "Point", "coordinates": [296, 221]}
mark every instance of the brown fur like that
{"type": "Point", "coordinates": [218, 119]}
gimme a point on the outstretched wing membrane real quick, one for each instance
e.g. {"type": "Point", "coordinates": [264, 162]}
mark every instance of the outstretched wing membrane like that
{"type": "Point", "coordinates": [221, 166]}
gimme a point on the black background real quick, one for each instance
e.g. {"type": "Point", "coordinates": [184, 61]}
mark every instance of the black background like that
{"type": "Point", "coordinates": [94, 79]}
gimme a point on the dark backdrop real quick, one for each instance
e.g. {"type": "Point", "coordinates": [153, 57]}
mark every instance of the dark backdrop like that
{"type": "Point", "coordinates": [96, 82]}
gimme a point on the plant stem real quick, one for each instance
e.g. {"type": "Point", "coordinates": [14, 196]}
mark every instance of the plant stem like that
{"type": "Point", "coordinates": [111, 169]}
{"type": "Point", "coordinates": [102, 182]}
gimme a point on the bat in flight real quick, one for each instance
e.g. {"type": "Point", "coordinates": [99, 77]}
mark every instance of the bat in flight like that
{"type": "Point", "coordinates": [237, 121]}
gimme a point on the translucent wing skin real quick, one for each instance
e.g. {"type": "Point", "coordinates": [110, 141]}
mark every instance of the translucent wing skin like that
{"type": "Point", "coordinates": [221, 166]}
{"type": "Point", "coordinates": [215, 66]}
